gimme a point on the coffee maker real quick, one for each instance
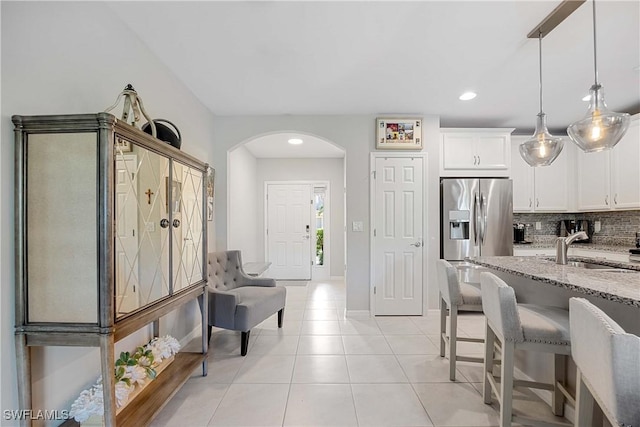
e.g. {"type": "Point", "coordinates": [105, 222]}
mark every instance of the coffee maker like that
{"type": "Point", "coordinates": [570, 226]}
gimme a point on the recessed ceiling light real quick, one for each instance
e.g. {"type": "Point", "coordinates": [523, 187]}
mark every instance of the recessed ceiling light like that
{"type": "Point", "coordinates": [586, 97]}
{"type": "Point", "coordinates": [467, 96]}
{"type": "Point", "coordinates": [295, 141]}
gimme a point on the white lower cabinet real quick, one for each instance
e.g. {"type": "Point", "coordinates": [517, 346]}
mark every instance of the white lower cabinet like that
{"type": "Point", "coordinates": [544, 188]}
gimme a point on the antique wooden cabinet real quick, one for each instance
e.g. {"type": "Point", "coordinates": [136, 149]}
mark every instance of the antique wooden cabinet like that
{"type": "Point", "coordinates": [110, 236]}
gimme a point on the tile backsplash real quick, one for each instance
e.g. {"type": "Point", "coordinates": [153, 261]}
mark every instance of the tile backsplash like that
{"type": "Point", "coordinates": [616, 228]}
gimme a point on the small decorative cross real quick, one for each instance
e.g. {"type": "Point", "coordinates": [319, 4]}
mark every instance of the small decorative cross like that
{"type": "Point", "coordinates": [149, 193]}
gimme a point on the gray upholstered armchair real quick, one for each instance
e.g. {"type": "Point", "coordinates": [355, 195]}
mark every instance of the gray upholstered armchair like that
{"type": "Point", "coordinates": [237, 301]}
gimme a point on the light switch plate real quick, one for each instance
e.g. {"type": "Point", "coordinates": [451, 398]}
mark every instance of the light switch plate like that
{"type": "Point", "coordinates": [597, 226]}
{"type": "Point", "coordinates": [538, 225]}
{"type": "Point", "coordinates": [357, 226]}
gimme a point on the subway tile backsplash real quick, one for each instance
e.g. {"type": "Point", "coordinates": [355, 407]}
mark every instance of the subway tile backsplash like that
{"type": "Point", "coordinates": [616, 228]}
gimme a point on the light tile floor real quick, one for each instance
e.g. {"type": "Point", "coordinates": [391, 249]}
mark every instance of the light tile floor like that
{"type": "Point", "coordinates": [322, 369]}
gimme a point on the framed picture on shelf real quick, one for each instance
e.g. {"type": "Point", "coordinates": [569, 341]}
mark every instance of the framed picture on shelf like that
{"type": "Point", "coordinates": [122, 145]}
{"type": "Point", "coordinates": [211, 180]}
{"type": "Point", "coordinates": [398, 134]}
{"type": "Point", "coordinates": [175, 191]}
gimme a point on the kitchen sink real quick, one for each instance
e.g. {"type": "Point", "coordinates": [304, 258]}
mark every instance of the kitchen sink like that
{"type": "Point", "coordinates": [600, 267]}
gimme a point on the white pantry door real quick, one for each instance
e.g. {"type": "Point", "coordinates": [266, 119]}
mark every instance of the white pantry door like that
{"type": "Point", "coordinates": [289, 231]}
{"type": "Point", "coordinates": [398, 235]}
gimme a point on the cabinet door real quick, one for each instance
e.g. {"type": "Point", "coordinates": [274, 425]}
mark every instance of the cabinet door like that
{"type": "Point", "coordinates": [551, 184]}
{"type": "Point", "coordinates": [522, 177]}
{"type": "Point", "coordinates": [625, 169]}
{"type": "Point", "coordinates": [492, 151]}
{"type": "Point", "coordinates": [458, 151]}
{"type": "Point", "coordinates": [141, 228]}
{"type": "Point", "coordinates": [187, 223]}
{"type": "Point", "coordinates": [593, 181]}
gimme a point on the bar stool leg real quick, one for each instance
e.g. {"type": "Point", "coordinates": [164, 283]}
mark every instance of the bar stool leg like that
{"type": "Point", "coordinates": [584, 403]}
{"type": "Point", "coordinates": [489, 341]}
{"type": "Point", "coordinates": [443, 325]}
{"type": "Point", "coordinates": [560, 367]}
{"type": "Point", "coordinates": [453, 337]}
{"type": "Point", "coordinates": [506, 384]}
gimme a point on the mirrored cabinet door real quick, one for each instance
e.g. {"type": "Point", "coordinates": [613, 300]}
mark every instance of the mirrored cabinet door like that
{"type": "Point", "coordinates": [159, 226]}
{"type": "Point", "coordinates": [142, 204]}
{"type": "Point", "coordinates": [188, 231]}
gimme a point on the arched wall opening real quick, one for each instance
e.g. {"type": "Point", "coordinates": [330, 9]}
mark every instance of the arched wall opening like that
{"type": "Point", "coordinates": [268, 159]}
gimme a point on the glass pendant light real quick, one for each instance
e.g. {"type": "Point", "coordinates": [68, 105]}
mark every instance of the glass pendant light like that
{"type": "Point", "coordinates": [543, 148]}
{"type": "Point", "coordinates": [600, 129]}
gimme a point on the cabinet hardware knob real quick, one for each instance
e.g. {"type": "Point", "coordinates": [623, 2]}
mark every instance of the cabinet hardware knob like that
{"type": "Point", "coordinates": [176, 223]}
{"type": "Point", "coordinates": [615, 198]}
{"type": "Point", "coordinates": [164, 223]}
{"type": "Point", "coordinates": [529, 201]}
{"type": "Point", "coordinates": [606, 200]}
{"type": "Point", "coordinates": [537, 202]}
{"type": "Point", "coordinates": [478, 160]}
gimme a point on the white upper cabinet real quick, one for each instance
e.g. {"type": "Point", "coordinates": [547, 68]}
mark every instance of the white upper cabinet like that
{"type": "Point", "coordinates": [625, 168]}
{"type": "Point", "coordinates": [475, 152]}
{"type": "Point", "coordinates": [611, 179]}
{"type": "Point", "coordinates": [541, 189]}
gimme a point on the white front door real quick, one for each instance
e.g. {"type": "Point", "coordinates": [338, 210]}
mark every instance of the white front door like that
{"type": "Point", "coordinates": [126, 253]}
{"type": "Point", "coordinates": [289, 231]}
{"type": "Point", "coordinates": [398, 246]}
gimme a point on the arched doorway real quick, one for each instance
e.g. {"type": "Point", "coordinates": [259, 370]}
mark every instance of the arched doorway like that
{"type": "Point", "coordinates": [266, 163]}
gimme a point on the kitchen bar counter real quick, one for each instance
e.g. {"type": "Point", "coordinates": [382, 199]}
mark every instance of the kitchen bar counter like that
{"type": "Point", "coordinates": [620, 287]}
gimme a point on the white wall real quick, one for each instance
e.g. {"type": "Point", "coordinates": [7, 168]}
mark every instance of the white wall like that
{"type": "Point", "coordinates": [75, 57]}
{"type": "Point", "coordinates": [356, 135]}
{"type": "Point", "coordinates": [244, 195]}
{"type": "Point", "coordinates": [331, 170]}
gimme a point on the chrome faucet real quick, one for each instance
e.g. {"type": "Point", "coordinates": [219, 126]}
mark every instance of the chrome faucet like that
{"type": "Point", "coordinates": [562, 244]}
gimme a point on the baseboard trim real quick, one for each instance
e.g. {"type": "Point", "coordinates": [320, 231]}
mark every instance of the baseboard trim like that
{"type": "Point", "coordinates": [357, 313]}
{"type": "Point", "coordinates": [195, 333]}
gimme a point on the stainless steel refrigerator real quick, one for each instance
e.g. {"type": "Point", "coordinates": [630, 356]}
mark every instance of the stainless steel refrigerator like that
{"type": "Point", "coordinates": [476, 217]}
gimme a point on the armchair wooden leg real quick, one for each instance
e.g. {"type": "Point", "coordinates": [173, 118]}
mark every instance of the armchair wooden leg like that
{"type": "Point", "coordinates": [280, 317]}
{"type": "Point", "coordinates": [244, 343]}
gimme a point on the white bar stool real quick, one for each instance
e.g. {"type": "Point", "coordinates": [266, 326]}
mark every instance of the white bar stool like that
{"type": "Point", "coordinates": [608, 361]}
{"type": "Point", "coordinates": [455, 296]}
{"type": "Point", "coordinates": [523, 327]}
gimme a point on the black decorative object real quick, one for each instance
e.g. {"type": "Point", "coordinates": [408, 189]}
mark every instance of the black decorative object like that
{"type": "Point", "coordinates": [165, 133]}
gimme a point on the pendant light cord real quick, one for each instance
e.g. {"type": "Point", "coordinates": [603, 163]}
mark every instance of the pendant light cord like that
{"type": "Point", "coordinates": [595, 55]}
{"type": "Point", "coordinates": [540, 64]}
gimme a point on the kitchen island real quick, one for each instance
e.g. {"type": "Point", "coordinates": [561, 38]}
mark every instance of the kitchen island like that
{"type": "Point", "coordinates": [539, 280]}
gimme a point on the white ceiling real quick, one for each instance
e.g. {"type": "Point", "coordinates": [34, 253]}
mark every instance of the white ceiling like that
{"type": "Point", "coordinates": [277, 146]}
{"type": "Point", "coordinates": [380, 58]}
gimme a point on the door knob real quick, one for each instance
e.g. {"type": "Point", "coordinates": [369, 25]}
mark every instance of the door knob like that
{"type": "Point", "coordinates": [417, 244]}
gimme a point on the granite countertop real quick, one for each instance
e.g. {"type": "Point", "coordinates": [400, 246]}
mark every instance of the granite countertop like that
{"type": "Point", "coordinates": [623, 287]}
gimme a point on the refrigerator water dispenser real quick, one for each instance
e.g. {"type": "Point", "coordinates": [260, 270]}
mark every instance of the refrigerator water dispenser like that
{"type": "Point", "coordinates": [459, 225]}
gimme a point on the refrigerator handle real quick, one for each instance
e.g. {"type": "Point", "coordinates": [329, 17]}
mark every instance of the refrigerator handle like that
{"type": "Point", "coordinates": [476, 223]}
{"type": "Point", "coordinates": [483, 215]}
